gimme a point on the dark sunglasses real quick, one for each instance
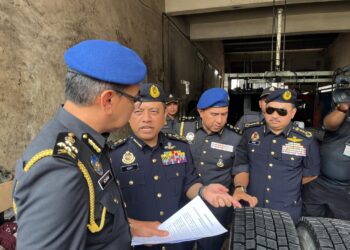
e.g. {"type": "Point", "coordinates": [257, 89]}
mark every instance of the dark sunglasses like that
{"type": "Point", "coordinates": [133, 98]}
{"type": "Point", "coordinates": [281, 112]}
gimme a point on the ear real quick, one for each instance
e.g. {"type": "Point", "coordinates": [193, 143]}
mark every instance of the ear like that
{"type": "Point", "coordinates": [106, 99]}
{"type": "Point", "coordinates": [293, 112]}
{"type": "Point", "coordinates": [200, 112]}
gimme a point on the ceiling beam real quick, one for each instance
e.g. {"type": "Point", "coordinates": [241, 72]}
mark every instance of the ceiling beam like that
{"type": "Point", "coordinates": [187, 7]}
{"type": "Point", "coordinates": [306, 18]}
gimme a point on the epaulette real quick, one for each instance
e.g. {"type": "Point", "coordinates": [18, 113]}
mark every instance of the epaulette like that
{"type": "Point", "coordinates": [187, 118]}
{"type": "Point", "coordinates": [175, 137]}
{"type": "Point", "coordinates": [118, 143]}
{"type": "Point", "coordinates": [234, 129]}
{"type": "Point", "coordinates": [67, 146]}
{"type": "Point", "coordinates": [253, 124]}
{"type": "Point", "coordinates": [302, 132]}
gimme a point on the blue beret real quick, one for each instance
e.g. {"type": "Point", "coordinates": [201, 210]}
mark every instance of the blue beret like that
{"type": "Point", "coordinates": [282, 95]}
{"type": "Point", "coordinates": [214, 97]}
{"type": "Point", "coordinates": [152, 92]}
{"type": "Point", "coordinates": [106, 61]}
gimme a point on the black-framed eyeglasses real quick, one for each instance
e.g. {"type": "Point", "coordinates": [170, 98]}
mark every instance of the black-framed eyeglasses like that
{"type": "Point", "coordinates": [133, 98]}
{"type": "Point", "coordinates": [280, 112]}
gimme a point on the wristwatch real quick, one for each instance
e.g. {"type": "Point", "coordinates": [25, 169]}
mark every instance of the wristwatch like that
{"type": "Point", "coordinates": [341, 110]}
{"type": "Point", "coordinates": [201, 190]}
{"type": "Point", "coordinates": [243, 188]}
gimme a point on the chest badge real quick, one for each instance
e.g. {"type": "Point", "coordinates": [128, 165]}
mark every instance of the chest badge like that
{"type": "Point", "coordinates": [190, 136]}
{"type": "Point", "coordinates": [96, 165]}
{"type": "Point", "coordinates": [220, 163]}
{"type": "Point", "coordinates": [169, 146]}
{"type": "Point", "coordinates": [128, 157]}
{"type": "Point", "coordinates": [294, 139]}
{"type": "Point", "coordinates": [255, 137]}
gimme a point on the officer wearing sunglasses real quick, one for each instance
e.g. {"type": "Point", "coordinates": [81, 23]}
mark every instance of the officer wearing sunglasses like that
{"type": "Point", "coordinates": [275, 157]}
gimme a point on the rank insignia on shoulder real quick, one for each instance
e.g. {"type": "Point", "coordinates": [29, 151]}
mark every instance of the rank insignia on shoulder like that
{"type": "Point", "coordinates": [233, 128]}
{"type": "Point", "coordinates": [128, 157]}
{"type": "Point", "coordinates": [308, 134]}
{"type": "Point", "coordinates": [118, 143]}
{"type": "Point", "coordinates": [66, 146]}
{"type": "Point", "coordinates": [187, 118]}
{"type": "Point", "coordinates": [93, 145]}
{"type": "Point", "coordinates": [253, 124]}
{"type": "Point", "coordinates": [175, 137]}
{"type": "Point", "coordinates": [96, 165]}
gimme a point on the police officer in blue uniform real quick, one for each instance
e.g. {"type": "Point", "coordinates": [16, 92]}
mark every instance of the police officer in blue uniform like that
{"type": "Point", "coordinates": [156, 171]}
{"type": "Point", "coordinates": [213, 143]}
{"type": "Point", "coordinates": [274, 158]}
{"type": "Point", "coordinates": [65, 194]}
{"type": "Point", "coordinates": [329, 195]}
{"type": "Point", "coordinates": [172, 119]}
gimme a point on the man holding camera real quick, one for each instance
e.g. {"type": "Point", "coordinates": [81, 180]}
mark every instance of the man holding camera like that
{"type": "Point", "coordinates": [329, 195]}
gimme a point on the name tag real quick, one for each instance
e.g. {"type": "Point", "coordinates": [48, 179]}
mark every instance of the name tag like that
{"type": "Point", "coordinates": [128, 168]}
{"type": "Point", "coordinates": [220, 146]}
{"type": "Point", "coordinates": [347, 150]}
{"type": "Point", "coordinates": [105, 179]}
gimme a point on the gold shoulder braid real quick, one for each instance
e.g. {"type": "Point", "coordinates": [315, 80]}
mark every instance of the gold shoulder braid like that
{"type": "Point", "coordinates": [66, 147]}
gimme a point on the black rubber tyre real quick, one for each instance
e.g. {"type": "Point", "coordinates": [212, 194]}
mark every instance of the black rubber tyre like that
{"type": "Point", "coordinates": [262, 228]}
{"type": "Point", "coordinates": [323, 233]}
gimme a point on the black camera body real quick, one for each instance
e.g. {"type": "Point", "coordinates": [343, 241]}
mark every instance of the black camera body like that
{"type": "Point", "coordinates": [341, 80]}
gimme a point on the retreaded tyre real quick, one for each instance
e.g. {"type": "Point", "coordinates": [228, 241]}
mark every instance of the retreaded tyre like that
{"type": "Point", "coordinates": [262, 228]}
{"type": "Point", "coordinates": [323, 233]}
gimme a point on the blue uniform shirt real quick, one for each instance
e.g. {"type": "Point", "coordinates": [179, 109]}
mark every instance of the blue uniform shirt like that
{"type": "Point", "coordinates": [277, 164]}
{"type": "Point", "coordinates": [154, 181]}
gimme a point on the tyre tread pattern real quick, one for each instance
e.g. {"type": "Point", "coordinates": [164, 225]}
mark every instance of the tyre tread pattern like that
{"type": "Point", "coordinates": [328, 233]}
{"type": "Point", "coordinates": [263, 228]}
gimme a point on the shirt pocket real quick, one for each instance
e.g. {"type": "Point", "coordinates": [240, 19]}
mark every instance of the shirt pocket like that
{"type": "Point", "coordinates": [292, 161]}
{"type": "Point", "coordinates": [133, 186]}
{"type": "Point", "coordinates": [175, 175]}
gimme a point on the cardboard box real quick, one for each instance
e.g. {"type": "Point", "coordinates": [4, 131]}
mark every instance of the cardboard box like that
{"type": "Point", "coordinates": [5, 195]}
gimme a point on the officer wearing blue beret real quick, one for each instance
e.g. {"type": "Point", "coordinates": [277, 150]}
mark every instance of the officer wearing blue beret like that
{"type": "Point", "coordinates": [65, 192]}
{"type": "Point", "coordinates": [156, 170]}
{"type": "Point", "coordinates": [213, 144]}
{"type": "Point", "coordinates": [275, 157]}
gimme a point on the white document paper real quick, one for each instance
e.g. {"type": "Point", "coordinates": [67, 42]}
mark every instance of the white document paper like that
{"type": "Point", "coordinates": [193, 221]}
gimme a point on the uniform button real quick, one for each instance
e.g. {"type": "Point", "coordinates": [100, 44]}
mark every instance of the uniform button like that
{"type": "Point", "coordinates": [159, 195]}
{"type": "Point", "coordinates": [274, 141]}
{"type": "Point", "coordinates": [85, 136]}
{"type": "Point", "coordinates": [269, 177]}
{"type": "Point", "coordinates": [267, 201]}
{"type": "Point", "coordinates": [199, 174]}
{"type": "Point", "coordinates": [161, 213]}
{"type": "Point", "coordinates": [292, 158]}
{"type": "Point", "coordinates": [204, 152]}
{"type": "Point", "coordinates": [131, 182]}
{"type": "Point", "coordinates": [163, 248]}
{"type": "Point", "coordinates": [253, 150]}
{"type": "Point", "coordinates": [115, 200]}
{"type": "Point", "coordinates": [202, 163]}
{"type": "Point", "coordinates": [270, 165]}
{"type": "Point", "coordinates": [206, 140]}
{"type": "Point", "coordinates": [177, 174]}
{"type": "Point", "coordinates": [268, 189]}
{"type": "Point", "coordinates": [118, 182]}
{"type": "Point", "coordinates": [124, 205]}
{"type": "Point", "coordinates": [154, 160]}
{"type": "Point", "coordinates": [272, 153]}
{"type": "Point", "coordinates": [156, 177]}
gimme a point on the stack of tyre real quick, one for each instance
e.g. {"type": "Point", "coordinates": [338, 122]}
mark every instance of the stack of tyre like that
{"type": "Point", "coordinates": [263, 228]}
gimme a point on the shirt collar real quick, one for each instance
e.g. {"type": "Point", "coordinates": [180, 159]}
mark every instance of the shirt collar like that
{"type": "Point", "coordinates": [142, 145]}
{"type": "Point", "coordinates": [199, 126]}
{"type": "Point", "coordinates": [285, 132]}
{"type": "Point", "coordinates": [78, 127]}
